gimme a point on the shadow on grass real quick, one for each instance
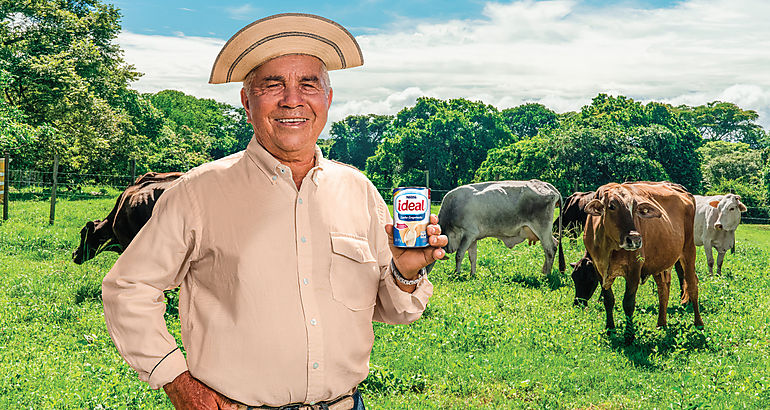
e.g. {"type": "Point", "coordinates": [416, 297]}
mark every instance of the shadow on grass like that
{"type": "Point", "coordinates": [69, 196]}
{"type": "Point", "coordinates": [641, 345]}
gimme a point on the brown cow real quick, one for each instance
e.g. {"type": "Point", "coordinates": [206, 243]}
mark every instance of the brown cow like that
{"type": "Point", "coordinates": [132, 210]}
{"type": "Point", "coordinates": [637, 230]}
{"type": "Point", "coordinates": [574, 212]}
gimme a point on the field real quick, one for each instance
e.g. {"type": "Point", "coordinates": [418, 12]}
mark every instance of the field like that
{"type": "Point", "coordinates": [508, 338]}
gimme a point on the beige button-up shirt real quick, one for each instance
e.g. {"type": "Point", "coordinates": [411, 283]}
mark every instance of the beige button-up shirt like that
{"type": "Point", "coordinates": [279, 286]}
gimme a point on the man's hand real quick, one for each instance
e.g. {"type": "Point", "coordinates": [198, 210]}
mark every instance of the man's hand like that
{"type": "Point", "coordinates": [186, 392]}
{"type": "Point", "coordinates": [409, 261]}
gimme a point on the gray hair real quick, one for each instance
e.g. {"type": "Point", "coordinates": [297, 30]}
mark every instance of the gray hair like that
{"type": "Point", "coordinates": [248, 81]}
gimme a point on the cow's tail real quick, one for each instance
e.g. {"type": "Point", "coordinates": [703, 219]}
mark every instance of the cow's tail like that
{"type": "Point", "coordinates": [562, 264]}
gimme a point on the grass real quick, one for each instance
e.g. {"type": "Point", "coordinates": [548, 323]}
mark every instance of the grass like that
{"type": "Point", "coordinates": [508, 338]}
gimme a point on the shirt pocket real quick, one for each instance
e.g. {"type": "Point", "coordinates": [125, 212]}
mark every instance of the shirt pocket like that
{"type": "Point", "coordinates": [354, 274]}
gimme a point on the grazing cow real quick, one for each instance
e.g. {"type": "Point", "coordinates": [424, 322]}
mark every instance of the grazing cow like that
{"type": "Point", "coordinates": [132, 210]}
{"type": "Point", "coordinates": [574, 218]}
{"type": "Point", "coordinates": [512, 211]}
{"type": "Point", "coordinates": [716, 219]}
{"type": "Point", "coordinates": [637, 230]}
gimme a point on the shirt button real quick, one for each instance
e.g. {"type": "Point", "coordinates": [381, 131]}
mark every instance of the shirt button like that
{"type": "Point", "coordinates": [300, 201]}
{"type": "Point", "coordinates": [313, 322]}
{"type": "Point", "coordinates": [315, 365]}
{"type": "Point", "coordinates": [305, 281]}
{"type": "Point", "coordinates": [275, 177]}
{"type": "Point", "coordinates": [303, 239]}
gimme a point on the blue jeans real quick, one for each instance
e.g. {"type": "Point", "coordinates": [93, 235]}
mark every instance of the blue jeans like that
{"type": "Point", "coordinates": [358, 401]}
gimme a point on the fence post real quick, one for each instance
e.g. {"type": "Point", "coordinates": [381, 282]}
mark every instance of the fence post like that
{"type": "Point", "coordinates": [6, 184]}
{"type": "Point", "coordinates": [133, 171]}
{"type": "Point", "coordinates": [53, 189]}
{"type": "Point", "coordinates": [427, 179]}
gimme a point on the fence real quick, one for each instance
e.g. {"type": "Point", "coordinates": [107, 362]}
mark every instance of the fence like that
{"type": "Point", "coordinates": [35, 184]}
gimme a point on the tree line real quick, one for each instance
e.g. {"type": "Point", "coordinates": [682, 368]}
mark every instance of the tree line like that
{"type": "Point", "coordinates": [65, 91]}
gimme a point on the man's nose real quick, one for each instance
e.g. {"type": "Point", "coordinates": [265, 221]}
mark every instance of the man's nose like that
{"type": "Point", "coordinates": [292, 97]}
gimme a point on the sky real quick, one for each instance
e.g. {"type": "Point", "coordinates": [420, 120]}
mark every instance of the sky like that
{"type": "Point", "coordinates": [560, 53]}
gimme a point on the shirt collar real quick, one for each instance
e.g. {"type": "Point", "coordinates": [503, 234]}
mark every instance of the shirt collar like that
{"type": "Point", "coordinates": [273, 169]}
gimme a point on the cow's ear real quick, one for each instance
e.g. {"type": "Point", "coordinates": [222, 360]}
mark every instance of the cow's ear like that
{"type": "Point", "coordinates": [595, 207]}
{"type": "Point", "coordinates": [90, 225]}
{"type": "Point", "coordinates": [742, 207]}
{"type": "Point", "coordinates": [647, 210]}
{"type": "Point", "coordinates": [715, 204]}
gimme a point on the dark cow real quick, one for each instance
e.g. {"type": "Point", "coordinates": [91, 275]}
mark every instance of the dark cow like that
{"type": "Point", "coordinates": [637, 230]}
{"type": "Point", "coordinates": [132, 210]}
{"type": "Point", "coordinates": [512, 211]}
{"type": "Point", "coordinates": [574, 215]}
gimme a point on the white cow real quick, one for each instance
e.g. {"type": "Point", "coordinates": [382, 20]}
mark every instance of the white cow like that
{"type": "Point", "coordinates": [716, 218]}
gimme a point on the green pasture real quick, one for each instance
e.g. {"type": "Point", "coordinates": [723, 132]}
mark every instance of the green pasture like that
{"type": "Point", "coordinates": [509, 338]}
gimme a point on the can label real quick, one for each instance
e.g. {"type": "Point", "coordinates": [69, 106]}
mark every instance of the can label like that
{"type": "Point", "coordinates": [411, 216]}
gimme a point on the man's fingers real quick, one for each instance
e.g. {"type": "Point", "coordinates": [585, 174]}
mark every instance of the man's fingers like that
{"type": "Point", "coordinates": [438, 253]}
{"type": "Point", "coordinates": [389, 231]}
{"type": "Point", "coordinates": [434, 230]}
{"type": "Point", "coordinates": [439, 241]}
{"type": "Point", "coordinates": [433, 219]}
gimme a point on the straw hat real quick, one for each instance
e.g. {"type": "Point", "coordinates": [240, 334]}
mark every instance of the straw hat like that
{"type": "Point", "coordinates": [281, 34]}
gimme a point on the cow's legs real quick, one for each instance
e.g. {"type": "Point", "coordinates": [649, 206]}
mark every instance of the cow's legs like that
{"type": "Point", "coordinates": [683, 297]}
{"type": "Point", "coordinates": [720, 259]}
{"type": "Point", "coordinates": [549, 247]}
{"type": "Point", "coordinates": [629, 299]}
{"type": "Point", "coordinates": [663, 280]}
{"type": "Point", "coordinates": [609, 305]}
{"type": "Point", "coordinates": [691, 279]}
{"type": "Point", "coordinates": [709, 256]}
{"type": "Point", "coordinates": [465, 243]}
{"type": "Point", "coordinates": [472, 257]}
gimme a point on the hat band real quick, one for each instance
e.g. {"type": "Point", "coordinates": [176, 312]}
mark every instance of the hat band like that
{"type": "Point", "coordinates": [281, 35]}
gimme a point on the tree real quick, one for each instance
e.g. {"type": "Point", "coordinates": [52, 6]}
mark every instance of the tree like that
{"type": "Point", "coordinates": [724, 121]}
{"type": "Point", "coordinates": [449, 139]}
{"type": "Point", "coordinates": [355, 138]}
{"type": "Point", "coordinates": [526, 120]}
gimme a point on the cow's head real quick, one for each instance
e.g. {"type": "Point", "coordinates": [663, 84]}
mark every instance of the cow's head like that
{"type": "Point", "coordinates": [586, 280]}
{"type": "Point", "coordinates": [95, 237]}
{"type": "Point", "coordinates": [620, 212]}
{"type": "Point", "coordinates": [729, 210]}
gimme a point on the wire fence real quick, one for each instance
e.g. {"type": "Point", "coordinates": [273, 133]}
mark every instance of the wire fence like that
{"type": "Point", "coordinates": [35, 184]}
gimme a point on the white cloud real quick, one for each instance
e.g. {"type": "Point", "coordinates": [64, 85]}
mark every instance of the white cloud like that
{"type": "Point", "coordinates": [247, 12]}
{"type": "Point", "coordinates": [558, 53]}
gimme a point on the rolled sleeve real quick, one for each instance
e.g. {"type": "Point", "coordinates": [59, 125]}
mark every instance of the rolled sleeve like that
{"type": "Point", "coordinates": [157, 259]}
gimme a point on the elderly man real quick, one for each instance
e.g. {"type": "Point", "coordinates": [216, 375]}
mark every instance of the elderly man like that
{"type": "Point", "coordinates": [284, 258]}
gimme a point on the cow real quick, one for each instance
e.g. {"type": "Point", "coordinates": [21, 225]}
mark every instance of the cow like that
{"type": "Point", "coordinates": [716, 219]}
{"type": "Point", "coordinates": [574, 215]}
{"type": "Point", "coordinates": [512, 211]}
{"type": "Point", "coordinates": [132, 210]}
{"type": "Point", "coordinates": [637, 230]}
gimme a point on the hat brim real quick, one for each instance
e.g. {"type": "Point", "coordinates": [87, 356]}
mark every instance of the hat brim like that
{"type": "Point", "coordinates": [282, 34]}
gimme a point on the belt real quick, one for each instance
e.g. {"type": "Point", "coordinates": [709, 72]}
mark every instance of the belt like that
{"type": "Point", "coordinates": [344, 402]}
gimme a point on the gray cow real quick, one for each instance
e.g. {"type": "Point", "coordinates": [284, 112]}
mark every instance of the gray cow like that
{"type": "Point", "coordinates": [512, 211]}
{"type": "Point", "coordinates": [716, 219]}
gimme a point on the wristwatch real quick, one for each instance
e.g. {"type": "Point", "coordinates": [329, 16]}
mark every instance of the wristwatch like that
{"type": "Point", "coordinates": [404, 281]}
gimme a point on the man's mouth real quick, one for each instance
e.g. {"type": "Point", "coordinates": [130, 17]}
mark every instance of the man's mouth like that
{"type": "Point", "coordinates": [292, 121]}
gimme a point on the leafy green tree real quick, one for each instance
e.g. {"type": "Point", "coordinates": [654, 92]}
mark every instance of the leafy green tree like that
{"type": "Point", "coordinates": [526, 120]}
{"type": "Point", "coordinates": [355, 138]}
{"type": "Point", "coordinates": [731, 161]}
{"type": "Point", "coordinates": [724, 121]}
{"type": "Point", "coordinates": [219, 129]}
{"type": "Point", "coordinates": [655, 128]}
{"type": "Point", "coordinates": [449, 139]}
{"type": "Point", "coordinates": [66, 73]}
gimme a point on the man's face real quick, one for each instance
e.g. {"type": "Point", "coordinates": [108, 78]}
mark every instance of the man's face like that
{"type": "Point", "coordinates": [287, 105]}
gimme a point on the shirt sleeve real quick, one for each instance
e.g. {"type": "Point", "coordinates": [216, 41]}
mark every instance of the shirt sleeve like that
{"type": "Point", "coordinates": [394, 306]}
{"type": "Point", "coordinates": [157, 259]}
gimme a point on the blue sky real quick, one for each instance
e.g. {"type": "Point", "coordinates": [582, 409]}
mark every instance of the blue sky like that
{"type": "Point", "coordinates": [560, 53]}
{"type": "Point", "coordinates": [222, 18]}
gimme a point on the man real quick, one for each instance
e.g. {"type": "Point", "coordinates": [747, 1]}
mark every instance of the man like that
{"type": "Point", "coordinates": [284, 257]}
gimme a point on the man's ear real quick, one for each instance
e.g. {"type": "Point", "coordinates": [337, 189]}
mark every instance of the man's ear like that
{"type": "Point", "coordinates": [245, 103]}
{"type": "Point", "coordinates": [715, 204]}
{"type": "Point", "coordinates": [595, 208]}
{"type": "Point", "coordinates": [331, 92]}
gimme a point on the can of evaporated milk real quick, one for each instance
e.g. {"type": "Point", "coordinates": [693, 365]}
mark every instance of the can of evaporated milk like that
{"type": "Point", "coordinates": [411, 216]}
